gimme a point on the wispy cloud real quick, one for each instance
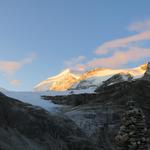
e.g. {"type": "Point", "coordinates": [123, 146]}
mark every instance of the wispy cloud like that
{"type": "Point", "coordinates": [75, 63]}
{"type": "Point", "coordinates": [9, 67]}
{"type": "Point", "coordinates": [15, 82]}
{"type": "Point", "coordinates": [120, 58]}
{"type": "Point", "coordinates": [29, 59]}
{"type": "Point", "coordinates": [124, 50]}
{"type": "Point", "coordinates": [122, 42]}
{"type": "Point", "coordinates": [74, 60]}
{"type": "Point", "coordinates": [142, 34]}
{"type": "Point", "coordinates": [140, 26]}
{"type": "Point", "coordinates": [121, 51]}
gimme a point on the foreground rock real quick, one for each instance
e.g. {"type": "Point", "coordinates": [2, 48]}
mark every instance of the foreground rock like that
{"type": "Point", "coordinates": [24, 127]}
{"type": "Point", "coordinates": [133, 131]}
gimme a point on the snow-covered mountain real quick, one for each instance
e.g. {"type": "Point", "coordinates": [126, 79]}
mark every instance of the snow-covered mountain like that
{"type": "Point", "coordinates": [91, 82]}
{"type": "Point", "coordinates": [60, 82]}
{"type": "Point", "coordinates": [96, 81]}
{"type": "Point", "coordinates": [120, 77]}
{"type": "Point", "coordinates": [96, 77]}
{"type": "Point", "coordinates": [90, 79]}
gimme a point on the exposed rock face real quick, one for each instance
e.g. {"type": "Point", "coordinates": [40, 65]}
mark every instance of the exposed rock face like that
{"type": "Point", "coordinates": [86, 84]}
{"type": "Point", "coordinates": [120, 77]}
{"type": "Point", "coordinates": [24, 127]}
{"type": "Point", "coordinates": [147, 73]}
{"type": "Point", "coordinates": [133, 131]}
{"type": "Point", "coordinates": [74, 99]}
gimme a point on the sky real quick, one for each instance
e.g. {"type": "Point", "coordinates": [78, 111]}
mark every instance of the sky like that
{"type": "Point", "coordinates": [40, 38]}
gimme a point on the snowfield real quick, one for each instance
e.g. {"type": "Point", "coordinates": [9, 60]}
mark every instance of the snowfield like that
{"type": "Point", "coordinates": [34, 98]}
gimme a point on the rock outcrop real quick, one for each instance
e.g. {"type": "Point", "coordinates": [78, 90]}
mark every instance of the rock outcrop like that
{"type": "Point", "coordinates": [120, 77]}
{"type": "Point", "coordinates": [133, 131]}
{"type": "Point", "coordinates": [74, 99]}
{"type": "Point", "coordinates": [147, 73]}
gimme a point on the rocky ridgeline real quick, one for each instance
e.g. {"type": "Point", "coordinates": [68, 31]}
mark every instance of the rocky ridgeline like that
{"type": "Point", "coordinates": [120, 77]}
{"type": "Point", "coordinates": [147, 73]}
{"type": "Point", "coordinates": [133, 131]}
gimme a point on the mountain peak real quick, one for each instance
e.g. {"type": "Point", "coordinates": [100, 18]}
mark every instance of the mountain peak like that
{"type": "Point", "coordinates": [144, 66]}
{"type": "Point", "coordinates": [68, 79]}
{"type": "Point", "coordinates": [66, 71]}
{"type": "Point", "coordinates": [60, 82]}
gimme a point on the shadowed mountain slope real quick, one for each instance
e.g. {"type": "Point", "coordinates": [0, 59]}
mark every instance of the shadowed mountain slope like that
{"type": "Point", "coordinates": [26, 127]}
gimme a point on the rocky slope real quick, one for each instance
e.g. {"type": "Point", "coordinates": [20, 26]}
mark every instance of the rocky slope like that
{"type": "Point", "coordinates": [117, 78]}
{"type": "Point", "coordinates": [147, 73]}
{"type": "Point", "coordinates": [89, 83]}
{"type": "Point", "coordinates": [90, 79]}
{"type": "Point", "coordinates": [24, 127]}
{"type": "Point", "coordinates": [99, 114]}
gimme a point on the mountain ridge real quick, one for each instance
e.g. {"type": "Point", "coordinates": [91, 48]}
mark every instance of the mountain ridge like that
{"type": "Point", "coordinates": [69, 80]}
{"type": "Point", "coordinates": [59, 82]}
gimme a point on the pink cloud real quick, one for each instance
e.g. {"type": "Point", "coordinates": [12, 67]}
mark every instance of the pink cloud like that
{"type": "Point", "coordinates": [75, 63]}
{"type": "Point", "coordinates": [131, 52]}
{"type": "Point", "coordinates": [122, 42]}
{"type": "Point", "coordinates": [120, 58]}
{"type": "Point", "coordinates": [15, 82]}
{"type": "Point", "coordinates": [79, 68]}
{"type": "Point", "coordinates": [10, 67]}
{"type": "Point", "coordinates": [119, 51]}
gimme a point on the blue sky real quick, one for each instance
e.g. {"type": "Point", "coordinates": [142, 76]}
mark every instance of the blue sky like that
{"type": "Point", "coordinates": [39, 38]}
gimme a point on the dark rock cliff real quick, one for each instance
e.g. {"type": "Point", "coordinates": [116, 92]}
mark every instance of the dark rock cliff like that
{"type": "Point", "coordinates": [147, 73]}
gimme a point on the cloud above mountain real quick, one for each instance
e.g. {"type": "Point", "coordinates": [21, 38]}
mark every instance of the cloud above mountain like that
{"type": "Point", "coordinates": [125, 42]}
{"type": "Point", "coordinates": [76, 63]}
{"type": "Point", "coordinates": [10, 67]}
{"type": "Point", "coordinates": [120, 58]}
{"type": "Point", "coordinates": [15, 82]}
{"type": "Point", "coordinates": [121, 51]}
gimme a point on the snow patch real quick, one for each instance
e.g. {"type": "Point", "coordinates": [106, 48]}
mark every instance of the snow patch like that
{"type": "Point", "coordinates": [33, 98]}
